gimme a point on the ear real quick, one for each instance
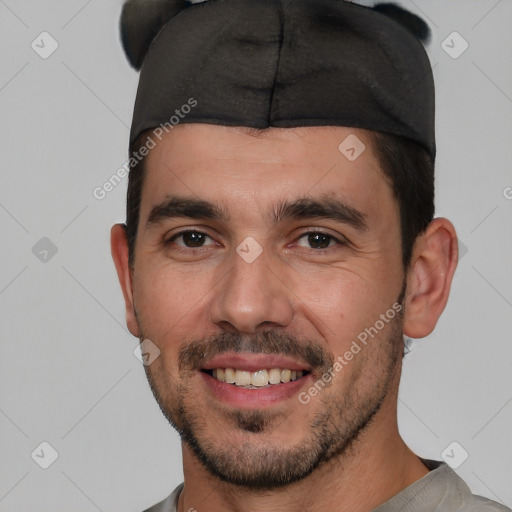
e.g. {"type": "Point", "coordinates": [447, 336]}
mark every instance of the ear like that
{"type": "Point", "coordinates": [429, 277]}
{"type": "Point", "coordinates": [119, 249]}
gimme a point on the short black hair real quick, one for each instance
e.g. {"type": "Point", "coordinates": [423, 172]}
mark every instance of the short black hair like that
{"type": "Point", "coordinates": [410, 171]}
{"type": "Point", "coordinates": [406, 164]}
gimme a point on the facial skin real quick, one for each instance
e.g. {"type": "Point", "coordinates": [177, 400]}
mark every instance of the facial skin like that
{"type": "Point", "coordinates": [318, 283]}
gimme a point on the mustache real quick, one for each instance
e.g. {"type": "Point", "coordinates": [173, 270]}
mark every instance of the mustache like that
{"type": "Point", "coordinates": [196, 353]}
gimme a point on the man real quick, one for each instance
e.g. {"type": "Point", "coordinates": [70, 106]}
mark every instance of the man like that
{"type": "Point", "coordinates": [279, 244]}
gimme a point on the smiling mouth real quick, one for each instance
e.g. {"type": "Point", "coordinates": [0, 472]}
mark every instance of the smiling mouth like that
{"type": "Point", "coordinates": [255, 380]}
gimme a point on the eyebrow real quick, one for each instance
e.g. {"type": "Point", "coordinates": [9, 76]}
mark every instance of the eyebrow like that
{"type": "Point", "coordinates": [324, 207]}
{"type": "Point", "coordinates": [175, 206]}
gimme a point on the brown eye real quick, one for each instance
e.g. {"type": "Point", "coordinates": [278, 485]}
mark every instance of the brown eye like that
{"type": "Point", "coordinates": [193, 239]}
{"type": "Point", "coordinates": [317, 240]}
{"type": "Point", "coordinates": [190, 239]}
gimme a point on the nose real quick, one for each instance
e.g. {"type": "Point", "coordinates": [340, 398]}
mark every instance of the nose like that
{"type": "Point", "coordinates": [251, 296]}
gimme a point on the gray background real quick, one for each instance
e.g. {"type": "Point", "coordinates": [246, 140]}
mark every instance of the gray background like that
{"type": "Point", "coordinates": [68, 373]}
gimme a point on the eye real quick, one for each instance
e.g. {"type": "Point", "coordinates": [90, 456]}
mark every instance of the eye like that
{"type": "Point", "coordinates": [318, 240]}
{"type": "Point", "coordinates": [189, 239]}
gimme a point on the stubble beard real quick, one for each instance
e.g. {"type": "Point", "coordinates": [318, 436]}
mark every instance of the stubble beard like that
{"type": "Point", "coordinates": [259, 464]}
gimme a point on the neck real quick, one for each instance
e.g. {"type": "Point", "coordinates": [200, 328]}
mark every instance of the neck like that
{"type": "Point", "coordinates": [375, 468]}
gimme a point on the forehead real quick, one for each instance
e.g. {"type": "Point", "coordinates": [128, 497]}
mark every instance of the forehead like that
{"type": "Point", "coordinates": [235, 165]}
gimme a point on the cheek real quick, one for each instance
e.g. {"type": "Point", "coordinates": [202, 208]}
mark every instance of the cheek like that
{"type": "Point", "coordinates": [342, 304]}
{"type": "Point", "coordinates": [168, 300]}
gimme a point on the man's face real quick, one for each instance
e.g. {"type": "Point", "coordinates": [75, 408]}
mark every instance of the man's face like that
{"type": "Point", "coordinates": [276, 253]}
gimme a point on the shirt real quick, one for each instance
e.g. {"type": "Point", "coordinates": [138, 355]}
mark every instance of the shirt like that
{"type": "Point", "coordinates": [441, 490]}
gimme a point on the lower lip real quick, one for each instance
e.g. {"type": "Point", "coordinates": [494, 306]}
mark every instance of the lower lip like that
{"type": "Point", "coordinates": [253, 398]}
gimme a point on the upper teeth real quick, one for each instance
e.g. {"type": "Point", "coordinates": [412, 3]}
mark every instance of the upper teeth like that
{"type": "Point", "coordinates": [258, 379]}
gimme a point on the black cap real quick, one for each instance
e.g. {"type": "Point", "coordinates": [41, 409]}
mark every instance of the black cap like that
{"type": "Point", "coordinates": [280, 63]}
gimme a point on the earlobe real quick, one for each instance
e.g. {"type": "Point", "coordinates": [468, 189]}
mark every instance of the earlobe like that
{"type": "Point", "coordinates": [119, 250]}
{"type": "Point", "coordinates": [429, 277]}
